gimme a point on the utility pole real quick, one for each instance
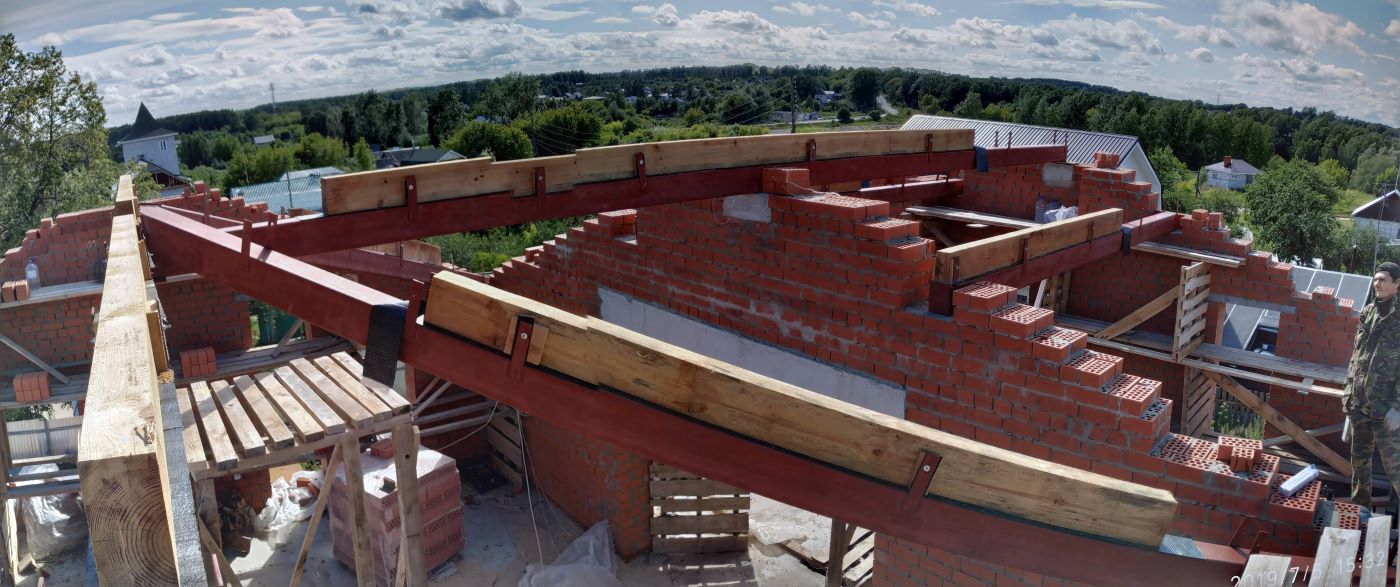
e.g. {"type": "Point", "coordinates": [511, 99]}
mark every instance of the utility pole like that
{"type": "Point", "coordinates": [273, 90]}
{"type": "Point", "coordinates": [792, 99]}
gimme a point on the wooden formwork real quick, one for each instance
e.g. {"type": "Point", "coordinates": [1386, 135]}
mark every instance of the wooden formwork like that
{"type": "Point", "coordinates": [503, 436]}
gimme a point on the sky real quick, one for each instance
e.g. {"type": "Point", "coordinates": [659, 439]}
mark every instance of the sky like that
{"type": "Point", "coordinates": [181, 56]}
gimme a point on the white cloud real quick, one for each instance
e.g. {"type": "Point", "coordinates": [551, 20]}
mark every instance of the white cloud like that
{"type": "Point", "coordinates": [916, 8]}
{"type": "Point", "coordinates": [1199, 33]}
{"type": "Point", "coordinates": [666, 15]}
{"type": "Point", "coordinates": [1072, 49]}
{"type": "Point", "coordinates": [1394, 29]}
{"type": "Point", "coordinates": [169, 76]}
{"type": "Point", "coordinates": [156, 55]}
{"type": "Point", "coordinates": [169, 16]}
{"type": "Point", "coordinates": [1104, 4]}
{"type": "Point", "coordinates": [477, 9]}
{"type": "Point", "coordinates": [612, 20]}
{"type": "Point", "coordinates": [1300, 70]}
{"type": "Point", "coordinates": [985, 33]}
{"type": "Point", "coordinates": [862, 20]}
{"type": "Point", "coordinates": [1125, 35]}
{"type": "Point", "coordinates": [397, 11]}
{"type": "Point", "coordinates": [739, 21]}
{"type": "Point", "coordinates": [1290, 27]}
{"type": "Point", "coordinates": [1202, 54]}
{"type": "Point", "coordinates": [801, 8]}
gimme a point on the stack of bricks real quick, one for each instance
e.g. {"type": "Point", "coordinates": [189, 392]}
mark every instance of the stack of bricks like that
{"type": "Point", "coordinates": [58, 332]}
{"type": "Point", "coordinates": [200, 198]}
{"type": "Point", "coordinates": [1298, 509]}
{"type": "Point", "coordinates": [619, 223]}
{"type": "Point", "coordinates": [1206, 230]}
{"type": "Point", "coordinates": [198, 362]}
{"type": "Point", "coordinates": [14, 291]}
{"type": "Point", "coordinates": [1101, 189]}
{"type": "Point", "coordinates": [31, 387]}
{"type": "Point", "coordinates": [204, 313]}
{"type": "Point", "coordinates": [1321, 329]}
{"type": "Point", "coordinates": [439, 496]}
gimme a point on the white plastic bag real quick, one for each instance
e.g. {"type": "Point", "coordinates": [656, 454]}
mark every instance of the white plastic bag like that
{"type": "Point", "coordinates": [54, 524]}
{"type": "Point", "coordinates": [288, 505]}
{"type": "Point", "coordinates": [587, 562]}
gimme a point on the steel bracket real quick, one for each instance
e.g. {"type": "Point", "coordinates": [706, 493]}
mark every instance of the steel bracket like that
{"type": "Point", "coordinates": [540, 184]}
{"type": "Point", "coordinates": [928, 465]}
{"type": "Point", "coordinates": [811, 150]}
{"type": "Point", "coordinates": [520, 346]}
{"type": "Point", "coordinates": [410, 195]}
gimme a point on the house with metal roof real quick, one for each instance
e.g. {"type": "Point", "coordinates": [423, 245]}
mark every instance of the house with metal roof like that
{"type": "Point", "coordinates": [414, 156]}
{"type": "Point", "coordinates": [1256, 329]}
{"type": "Point", "coordinates": [1082, 144]}
{"type": "Point", "coordinates": [316, 171]}
{"type": "Point", "coordinates": [150, 143]}
{"type": "Point", "coordinates": [1381, 214]}
{"type": "Point", "coordinates": [290, 194]}
{"type": "Point", "coordinates": [1230, 173]}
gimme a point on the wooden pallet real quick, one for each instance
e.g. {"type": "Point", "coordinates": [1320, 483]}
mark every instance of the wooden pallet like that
{"type": "Point", "coordinates": [1198, 397]}
{"type": "Point", "coordinates": [859, 569]}
{"type": "Point", "coordinates": [503, 436]}
{"type": "Point", "coordinates": [1191, 306]}
{"type": "Point", "coordinates": [693, 515]}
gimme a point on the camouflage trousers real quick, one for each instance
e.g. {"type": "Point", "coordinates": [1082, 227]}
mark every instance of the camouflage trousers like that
{"type": "Point", "coordinates": [1368, 437]}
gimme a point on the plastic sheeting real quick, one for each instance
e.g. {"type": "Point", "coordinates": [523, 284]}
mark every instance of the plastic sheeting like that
{"type": "Point", "coordinates": [288, 506]}
{"type": "Point", "coordinates": [54, 524]}
{"type": "Point", "coordinates": [587, 562]}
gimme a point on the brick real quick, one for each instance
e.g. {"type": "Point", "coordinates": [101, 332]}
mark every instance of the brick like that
{"type": "Point", "coordinates": [31, 387]}
{"type": "Point", "coordinates": [983, 296]}
{"type": "Point", "coordinates": [886, 229]}
{"type": "Point", "coordinates": [1020, 320]}
{"type": "Point", "coordinates": [787, 181]}
{"type": "Point", "coordinates": [1091, 369]}
{"type": "Point", "coordinates": [1056, 344]}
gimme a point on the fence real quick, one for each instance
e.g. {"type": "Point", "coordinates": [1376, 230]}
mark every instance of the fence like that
{"type": "Point", "coordinates": [1233, 418]}
{"type": "Point", "coordinates": [37, 438]}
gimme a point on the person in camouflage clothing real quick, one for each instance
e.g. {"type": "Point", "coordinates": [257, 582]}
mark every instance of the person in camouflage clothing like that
{"type": "Point", "coordinates": [1372, 402]}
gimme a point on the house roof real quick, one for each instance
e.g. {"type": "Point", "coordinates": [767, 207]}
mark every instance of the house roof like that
{"type": "Point", "coordinates": [263, 139]}
{"type": "Point", "coordinates": [1378, 207]}
{"type": "Point", "coordinates": [1242, 321]}
{"type": "Point", "coordinates": [145, 127]}
{"type": "Point", "coordinates": [303, 192]}
{"type": "Point", "coordinates": [415, 155]}
{"type": "Point", "coordinates": [1236, 166]}
{"type": "Point", "coordinates": [1082, 144]}
{"type": "Point", "coordinates": [318, 172]}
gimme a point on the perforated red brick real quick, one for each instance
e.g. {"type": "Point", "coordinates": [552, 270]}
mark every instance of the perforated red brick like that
{"type": "Point", "coordinates": [1091, 369]}
{"type": "Point", "coordinates": [886, 229]}
{"type": "Point", "coordinates": [1248, 443]}
{"type": "Point", "coordinates": [1298, 509]}
{"type": "Point", "coordinates": [1020, 320]}
{"type": "Point", "coordinates": [984, 296]}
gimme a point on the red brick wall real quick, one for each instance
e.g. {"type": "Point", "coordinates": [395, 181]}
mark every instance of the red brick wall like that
{"type": "Point", "coordinates": [65, 249]}
{"type": "Point", "coordinates": [203, 313]}
{"type": "Point", "coordinates": [900, 563]}
{"type": "Point", "coordinates": [57, 332]}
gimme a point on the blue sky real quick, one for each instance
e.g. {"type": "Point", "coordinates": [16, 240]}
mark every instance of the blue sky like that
{"type": "Point", "coordinates": [185, 56]}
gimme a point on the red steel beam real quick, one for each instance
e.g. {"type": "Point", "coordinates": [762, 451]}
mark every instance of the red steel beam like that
{"type": "Point", "coordinates": [303, 236]}
{"type": "Point", "coordinates": [1032, 271]}
{"type": "Point", "coordinates": [343, 306]}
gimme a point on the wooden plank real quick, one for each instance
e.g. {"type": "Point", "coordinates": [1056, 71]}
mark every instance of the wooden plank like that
{"type": "Point", "coordinates": [246, 437]}
{"type": "Point", "coordinates": [989, 254]}
{"type": "Point", "coordinates": [411, 569]}
{"type": "Point", "coordinates": [703, 504]}
{"type": "Point", "coordinates": [1336, 558]}
{"type": "Point", "coordinates": [269, 421]}
{"type": "Point", "coordinates": [838, 544]}
{"type": "Point", "coordinates": [1265, 570]}
{"type": "Point", "coordinates": [352, 192]}
{"type": "Point", "coordinates": [121, 464]}
{"type": "Point", "coordinates": [194, 446]}
{"type": "Point", "coordinates": [397, 403]}
{"type": "Point", "coordinates": [10, 521]}
{"type": "Point", "coordinates": [822, 428]}
{"type": "Point", "coordinates": [225, 569]}
{"type": "Point", "coordinates": [708, 524]}
{"type": "Point", "coordinates": [1281, 422]}
{"type": "Point", "coordinates": [328, 418]}
{"type": "Point", "coordinates": [510, 473]}
{"type": "Point", "coordinates": [179, 496]}
{"type": "Point", "coordinates": [322, 499]}
{"type": "Point", "coordinates": [1189, 254]}
{"type": "Point", "coordinates": [359, 535]}
{"type": "Point", "coordinates": [375, 406]}
{"type": "Point", "coordinates": [1194, 270]}
{"type": "Point", "coordinates": [506, 447]}
{"type": "Point", "coordinates": [33, 359]}
{"type": "Point", "coordinates": [698, 545]}
{"type": "Point", "coordinates": [1375, 560]}
{"type": "Point", "coordinates": [153, 324]}
{"type": "Point", "coordinates": [305, 425]}
{"type": "Point", "coordinates": [660, 471]}
{"type": "Point", "coordinates": [220, 445]}
{"type": "Point", "coordinates": [1194, 283]}
{"type": "Point", "coordinates": [300, 452]}
{"type": "Point", "coordinates": [696, 487]}
{"type": "Point", "coordinates": [969, 216]}
{"type": "Point", "coordinates": [354, 414]}
{"type": "Point", "coordinates": [1140, 315]}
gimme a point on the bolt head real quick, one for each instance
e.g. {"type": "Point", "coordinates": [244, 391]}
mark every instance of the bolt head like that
{"type": "Point", "coordinates": [524, 335]}
{"type": "Point", "coordinates": [927, 468]}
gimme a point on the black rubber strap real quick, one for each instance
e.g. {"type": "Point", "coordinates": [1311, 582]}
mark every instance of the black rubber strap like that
{"type": "Point", "coordinates": [981, 154]}
{"type": "Point", "coordinates": [385, 332]}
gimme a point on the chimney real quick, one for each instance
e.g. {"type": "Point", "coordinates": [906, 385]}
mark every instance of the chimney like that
{"type": "Point", "coordinates": [1227, 160]}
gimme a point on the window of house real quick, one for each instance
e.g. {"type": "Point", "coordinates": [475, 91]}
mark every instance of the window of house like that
{"type": "Point", "coordinates": [162, 145]}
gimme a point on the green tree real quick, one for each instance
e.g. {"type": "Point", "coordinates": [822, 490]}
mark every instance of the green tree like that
{"type": "Point", "coordinates": [564, 130]}
{"type": "Point", "coordinates": [739, 108]}
{"type": "Point", "coordinates": [1178, 183]}
{"type": "Point", "coordinates": [318, 151]}
{"type": "Point", "coordinates": [195, 150]}
{"type": "Point", "coordinates": [509, 97]}
{"type": "Point", "coordinates": [445, 115]}
{"type": "Point", "coordinates": [843, 115]}
{"type": "Point", "coordinates": [476, 139]}
{"type": "Point", "coordinates": [1335, 173]}
{"type": "Point", "coordinates": [223, 147]}
{"type": "Point", "coordinates": [874, 115]}
{"type": "Point", "coordinates": [693, 116]}
{"type": "Point", "coordinates": [253, 166]}
{"type": "Point", "coordinates": [361, 158]}
{"type": "Point", "coordinates": [53, 147]}
{"type": "Point", "coordinates": [970, 107]}
{"type": "Point", "coordinates": [865, 86]}
{"type": "Point", "coordinates": [1291, 207]}
{"type": "Point", "coordinates": [1373, 168]}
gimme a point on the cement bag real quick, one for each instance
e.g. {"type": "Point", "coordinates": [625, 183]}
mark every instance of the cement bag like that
{"type": "Point", "coordinates": [54, 524]}
{"type": "Point", "coordinates": [587, 562]}
{"type": "Point", "coordinates": [289, 505]}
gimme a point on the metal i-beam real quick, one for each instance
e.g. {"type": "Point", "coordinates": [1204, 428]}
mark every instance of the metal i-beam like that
{"type": "Point", "coordinates": [343, 306]}
{"type": "Point", "coordinates": [303, 236]}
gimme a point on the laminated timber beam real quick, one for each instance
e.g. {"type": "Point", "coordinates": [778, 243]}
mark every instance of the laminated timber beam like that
{"type": "Point", "coordinates": [680, 438]}
{"type": "Point", "coordinates": [1027, 268]}
{"type": "Point", "coordinates": [374, 207]}
{"type": "Point", "coordinates": [134, 484]}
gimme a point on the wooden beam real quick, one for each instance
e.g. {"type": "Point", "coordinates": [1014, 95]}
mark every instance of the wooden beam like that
{"type": "Point", "coordinates": [322, 499]}
{"type": "Point", "coordinates": [1140, 315]}
{"type": "Point", "coordinates": [1211, 257]}
{"type": "Point", "coordinates": [120, 464]}
{"type": "Point", "coordinates": [411, 566]}
{"type": "Point", "coordinates": [354, 192]}
{"type": "Point", "coordinates": [1323, 431]}
{"type": "Point", "coordinates": [822, 428]}
{"type": "Point", "coordinates": [836, 553]}
{"type": "Point", "coordinates": [969, 260]}
{"type": "Point", "coordinates": [1281, 422]}
{"type": "Point", "coordinates": [969, 217]}
{"type": "Point", "coordinates": [32, 358]}
{"type": "Point", "coordinates": [359, 520]}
